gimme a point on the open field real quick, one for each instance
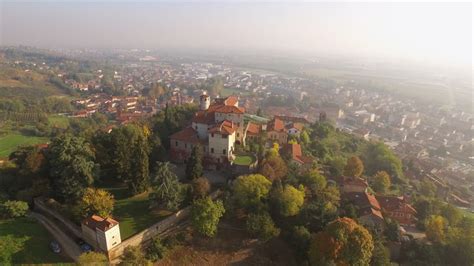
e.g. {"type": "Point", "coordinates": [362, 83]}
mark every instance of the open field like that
{"type": "Point", "coordinates": [26, 242]}
{"type": "Point", "coordinates": [9, 142]}
{"type": "Point", "coordinates": [134, 213]}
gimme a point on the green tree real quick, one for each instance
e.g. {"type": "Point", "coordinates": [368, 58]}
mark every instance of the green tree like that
{"type": "Point", "coordinates": [249, 190]}
{"type": "Point", "coordinates": [93, 259]}
{"type": "Point", "coordinates": [71, 166]}
{"type": "Point", "coordinates": [157, 249]}
{"type": "Point", "coordinates": [452, 214]}
{"type": "Point", "coordinates": [299, 239]}
{"type": "Point", "coordinates": [167, 189]}
{"type": "Point", "coordinates": [96, 201]}
{"type": "Point", "coordinates": [343, 242]}
{"type": "Point", "coordinates": [381, 182]}
{"type": "Point", "coordinates": [13, 208]}
{"type": "Point", "coordinates": [289, 200]}
{"type": "Point", "coordinates": [205, 215]}
{"type": "Point", "coordinates": [354, 167]}
{"type": "Point", "coordinates": [427, 188]}
{"type": "Point", "coordinates": [380, 254]}
{"type": "Point", "coordinates": [262, 226]}
{"type": "Point", "coordinates": [130, 156]}
{"type": "Point", "coordinates": [378, 157]}
{"type": "Point", "coordinates": [134, 256]}
{"type": "Point", "coordinates": [194, 165]}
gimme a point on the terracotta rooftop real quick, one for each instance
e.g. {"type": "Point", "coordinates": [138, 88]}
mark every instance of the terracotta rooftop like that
{"type": "Point", "coordinates": [276, 125]}
{"type": "Point", "coordinates": [225, 127]}
{"type": "Point", "coordinates": [253, 129]}
{"type": "Point", "coordinates": [391, 203]}
{"type": "Point", "coordinates": [229, 109]}
{"type": "Point", "coordinates": [187, 134]}
{"type": "Point", "coordinates": [96, 222]}
{"type": "Point", "coordinates": [204, 117]}
{"type": "Point", "coordinates": [231, 100]}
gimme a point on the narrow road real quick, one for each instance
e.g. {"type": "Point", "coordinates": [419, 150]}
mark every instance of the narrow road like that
{"type": "Point", "coordinates": [67, 244]}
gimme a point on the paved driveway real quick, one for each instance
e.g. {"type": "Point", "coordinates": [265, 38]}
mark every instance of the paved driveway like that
{"type": "Point", "coordinates": [68, 246]}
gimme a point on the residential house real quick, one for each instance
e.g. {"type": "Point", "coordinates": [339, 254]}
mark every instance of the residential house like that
{"type": "Point", "coordinates": [397, 208]}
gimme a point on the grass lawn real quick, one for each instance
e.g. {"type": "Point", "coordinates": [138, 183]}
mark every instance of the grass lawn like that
{"type": "Point", "coordinates": [134, 213]}
{"type": "Point", "coordinates": [10, 142]}
{"type": "Point", "coordinates": [25, 241]}
{"type": "Point", "coordinates": [60, 121]}
{"type": "Point", "coordinates": [243, 160]}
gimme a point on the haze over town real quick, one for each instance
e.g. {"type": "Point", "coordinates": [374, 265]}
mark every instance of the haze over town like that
{"type": "Point", "coordinates": [236, 133]}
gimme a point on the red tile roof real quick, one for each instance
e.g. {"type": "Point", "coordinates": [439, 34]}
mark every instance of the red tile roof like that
{"type": "Point", "coordinates": [253, 129]}
{"type": "Point", "coordinates": [96, 222]}
{"type": "Point", "coordinates": [204, 117]}
{"type": "Point", "coordinates": [391, 203]}
{"type": "Point", "coordinates": [276, 125]}
{"type": "Point", "coordinates": [231, 100]}
{"type": "Point", "coordinates": [366, 202]}
{"type": "Point", "coordinates": [229, 109]}
{"type": "Point", "coordinates": [225, 127]}
{"type": "Point", "coordinates": [187, 134]}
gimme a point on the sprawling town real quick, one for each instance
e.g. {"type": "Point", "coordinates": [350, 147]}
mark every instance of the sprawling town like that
{"type": "Point", "coordinates": [215, 156]}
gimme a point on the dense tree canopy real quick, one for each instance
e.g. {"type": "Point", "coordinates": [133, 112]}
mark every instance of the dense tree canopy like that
{"type": "Point", "coordinates": [194, 167]}
{"type": "Point", "coordinates": [205, 215]}
{"type": "Point", "coordinates": [381, 182]}
{"type": "Point", "coordinates": [343, 242]}
{"type": "Point", "coordinates": [167, 190]}
{"type": "Point", "coordinates": [96, 201]}
{"type": "Point", "coordinates": [289, 200]}
{"type": "Point", "coordinates": [378, 157]}
{"type": "Point", "coordinates": [72, 166]}
{"type": "Point", "coordinates": [250, 190]}
{"type": "Point", "coordinates": [354, 167]}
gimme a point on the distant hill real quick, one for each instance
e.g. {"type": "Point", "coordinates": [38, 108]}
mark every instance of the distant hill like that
{"type": "Point", "coordinates": [25, 83]}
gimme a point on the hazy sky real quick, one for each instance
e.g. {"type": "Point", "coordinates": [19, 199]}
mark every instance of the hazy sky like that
{"type": "Point", "coordinates": [439, 32]}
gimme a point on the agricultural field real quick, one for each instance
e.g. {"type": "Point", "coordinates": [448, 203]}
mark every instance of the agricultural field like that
{"type": "Point", "coordinates": [25, 241]}
{"type": "Point", "coordinates": [11, 141]}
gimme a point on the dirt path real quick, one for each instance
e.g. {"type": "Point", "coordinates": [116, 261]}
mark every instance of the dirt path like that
{"type": "Point", "coordinates": [68, 246]}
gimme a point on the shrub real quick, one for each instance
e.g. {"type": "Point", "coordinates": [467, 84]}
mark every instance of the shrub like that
{"type": "Point", "coordinates": [13, 208]}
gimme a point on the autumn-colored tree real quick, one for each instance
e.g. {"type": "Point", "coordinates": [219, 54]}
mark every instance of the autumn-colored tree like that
{"type": "Point", "coordinates": [201, 187]}
{"type": "Point", "coordinates": [96, 201]}
{"type": "Point", "coordinates": [342, 242]}
{"type": "Point", "coordinates": [273, 167]}
{"type": "Point", "coordinates": [354, 167]}
{"type": "Point", "coordinates": [381, 182]}
{"type": "Point", "coordinates": [435, 228]}
{"type": "Point", "coordinates": [249, 190]}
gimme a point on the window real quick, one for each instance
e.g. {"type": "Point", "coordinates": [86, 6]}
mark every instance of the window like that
{"type": "Point", "coordinates": [223, 151]}
{"type": "Point", "coordinates": [176, 144]}
{"type": "Point", "coordinates": [238, 135]}
{"type": "Point", "coordinates": [224, 136]}
{"type": "Point", "coordinates": [212, 150]}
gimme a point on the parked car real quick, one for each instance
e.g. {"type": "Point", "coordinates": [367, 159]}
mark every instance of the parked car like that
{"type": "Point", "coordinates": [55, 246]}
{"type": "Point", "coordinates": [83, 245]}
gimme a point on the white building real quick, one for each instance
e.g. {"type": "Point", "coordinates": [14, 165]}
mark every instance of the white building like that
{"type": "Point", "coordinates": [102, 234]}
